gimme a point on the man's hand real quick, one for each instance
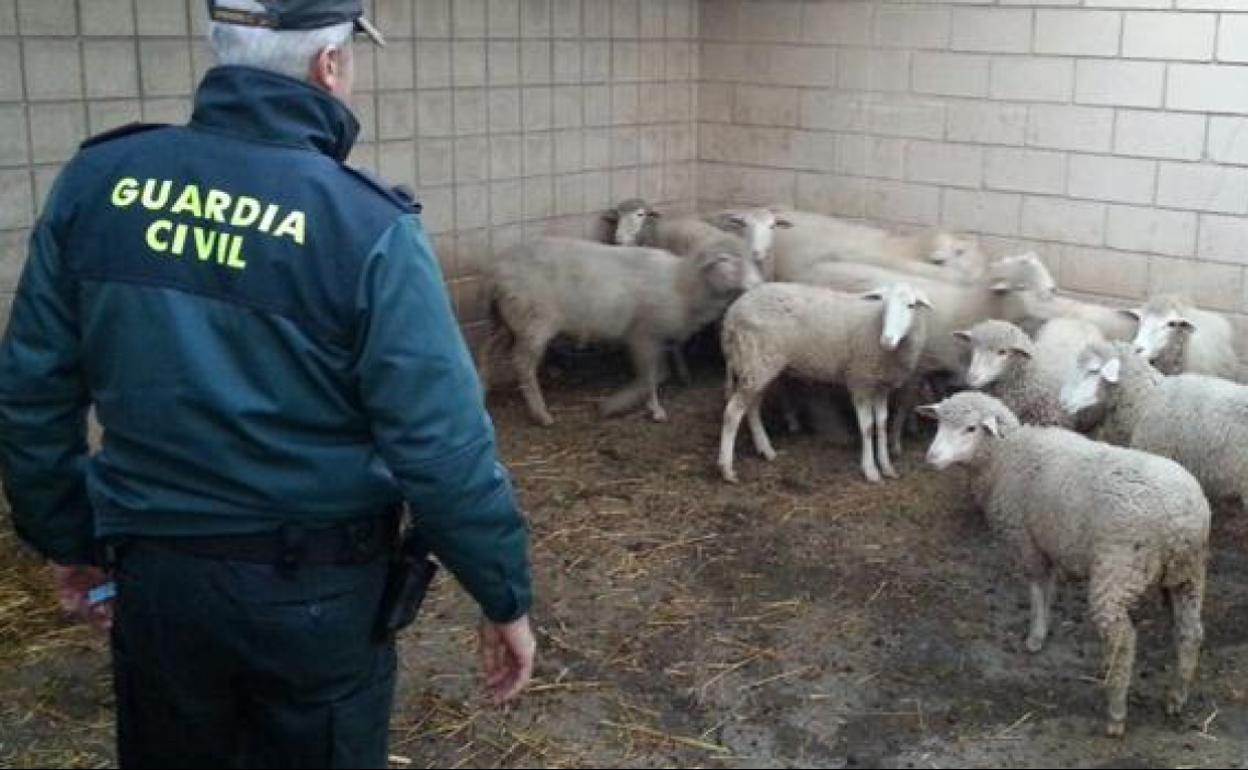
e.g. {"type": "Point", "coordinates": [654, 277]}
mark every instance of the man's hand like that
{"type": "Point", "coordinates": [73, 582]}
{"type": "Point", "coordinates": [507, 651]}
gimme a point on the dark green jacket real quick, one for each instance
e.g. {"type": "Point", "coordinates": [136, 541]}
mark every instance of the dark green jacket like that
{"type": "Point", "coordinates": [266, 337]}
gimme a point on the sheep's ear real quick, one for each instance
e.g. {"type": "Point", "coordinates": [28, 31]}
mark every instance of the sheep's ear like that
{"type": "Point", "coordinates": [992, 425]}
{"type": "Point", "coordinates": [965, 336]}
{"type": "Point", "coordinates": [1002, 286]}
{"type": "Point", "coordinates": [1131, 313]}
{"type": "Point", "coordinates": [928, 411]}
{"type": "Point", "coordinates": [651, 213]}
{"type": "Point", "coordinates": [612, 216]}
{"type": "Point", "coordinates": [874, 294]}
{"type": "Point", "coordinates": [922, 299]}
{"type": "Point", "coordinates": [783, 224]}
{"type": "Point", "coordinates": [1185, 325]}
{"type": "Point", "coordinates": [1022, 351]}
{"type": "Point", "coordinates": [1112, 370]}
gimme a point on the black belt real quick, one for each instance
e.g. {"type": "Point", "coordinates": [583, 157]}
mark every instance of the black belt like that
{"type": "Point", "coordinates": [293, 545]}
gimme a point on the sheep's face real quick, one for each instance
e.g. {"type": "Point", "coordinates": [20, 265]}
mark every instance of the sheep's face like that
{"type": "Point", "coordinates": [728, 271]}
{"type": "Point", "coordinates": [629, 224]}
{"type": "Point", "coordinates": [958, 252]}
{"type": "Point", "coordinates": [757, 227]}
{"type": "Point", "coordinates": [1159, 332]}
{"type": "Point", "coordinates": [901, 304]}
{"type": "Point", "coordinates": [995, 347]}
{"type": "Point", "coordinates": [964, 426]}
{"type": "Point", "coordinates": [1021, 272]}
{"type": "Point", "coordinates": [1089, 383]}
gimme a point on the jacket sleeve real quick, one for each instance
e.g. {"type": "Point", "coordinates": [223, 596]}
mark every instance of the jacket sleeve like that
{"type": "Point", "coordinates": [421, 392]}
{"type": "Point", "coordinates": [43, 406]}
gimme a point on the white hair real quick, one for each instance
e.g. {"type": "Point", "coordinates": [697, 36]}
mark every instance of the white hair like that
{"type": "Point", "coordinates": [286, 52]}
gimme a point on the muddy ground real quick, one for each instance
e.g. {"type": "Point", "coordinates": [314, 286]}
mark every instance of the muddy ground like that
{"type": "Point", "coordinates": [802, 618]}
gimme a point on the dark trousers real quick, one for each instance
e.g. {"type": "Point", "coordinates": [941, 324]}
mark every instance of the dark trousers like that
{"type": "Point", "coordinates": [227, 664]}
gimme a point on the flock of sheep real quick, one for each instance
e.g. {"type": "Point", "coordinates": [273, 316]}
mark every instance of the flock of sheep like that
{"type": "Point", "coordinates": [805, 301]}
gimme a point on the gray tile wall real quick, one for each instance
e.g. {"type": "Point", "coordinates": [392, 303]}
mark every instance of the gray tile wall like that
{"type": "Point", "coordinates": [509, 117]}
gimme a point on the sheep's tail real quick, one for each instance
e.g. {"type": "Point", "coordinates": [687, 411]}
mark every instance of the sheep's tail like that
{"type": "Point", "coordinates": [498, 342]}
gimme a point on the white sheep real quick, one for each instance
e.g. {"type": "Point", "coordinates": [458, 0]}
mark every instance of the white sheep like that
{"type": "Point", "coordinates": [1178, 337]}
{"type": "Point", "coordinates": [1028, 274]}
{"type": "Point", "coordinates": [631, 222]}
{"type": "Point", "coordinates": [635, 223]}
{"type": "Point", "coordinates": [1126, 520]}
{"type": "Point", "coordinates": [956, 306]}
{"type": "Point", "coordinates": [1027, 376]}
{"type": "Point", "coordinates": [870, 346]}
{"type": "Point", "coordinates": [1199, 422]}
{"type": "Point", "coordinates": [813, 238]}
{"type": "Point", "coordinates": [595, 292]}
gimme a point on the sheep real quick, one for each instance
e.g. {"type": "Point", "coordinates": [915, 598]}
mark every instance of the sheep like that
{"type": "Point", "coordinates": [631, 223]}
{"type": "Point", "coordinates": [1027, 376]}
{"type": "Point", "coordinates": [1177, 337]}
{"type": "Point", "coordinates": [826, 336]}
{"type": "Point", "coordinates": [1124, 519]}
{"type": "Point", "coordinates": [957, 307]}
{"type": "Point", "coordinates": [1198, 421]}
{"type": "Point", "coordinates": [814, 238]}
{"type": "Point", "coordinates": [590, 291]}
{"type": "Point", "coordinates": [635, 223]}
{"type": "Point", "coordinates": [1039, 292]}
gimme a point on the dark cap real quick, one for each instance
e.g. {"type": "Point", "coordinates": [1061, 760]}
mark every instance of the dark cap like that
{"type": "Point", "coordinates": [296, 14]}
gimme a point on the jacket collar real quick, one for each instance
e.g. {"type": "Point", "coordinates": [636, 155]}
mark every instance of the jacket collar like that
{"type": "Point", "coordinates": [265, 106]}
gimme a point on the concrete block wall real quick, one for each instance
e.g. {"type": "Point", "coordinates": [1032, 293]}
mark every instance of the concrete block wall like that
{"type": "Point", "coordinates": [1110, 135]}
{"type": "Point", "coordinates": [509, 117]}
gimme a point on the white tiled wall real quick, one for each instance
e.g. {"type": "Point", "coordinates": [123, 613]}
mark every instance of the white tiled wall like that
{"type": "Point", "coordinates": [508, 117]}
{"type": "Point", "coordinates": [1111, 135]}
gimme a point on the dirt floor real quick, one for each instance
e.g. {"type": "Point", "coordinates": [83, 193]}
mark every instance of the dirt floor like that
{"type": "Point", "coordinates": [802, 618]}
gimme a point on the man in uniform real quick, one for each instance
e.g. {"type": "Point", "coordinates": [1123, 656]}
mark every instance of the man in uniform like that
{"type": "Point", "coordinates": [266, 339]}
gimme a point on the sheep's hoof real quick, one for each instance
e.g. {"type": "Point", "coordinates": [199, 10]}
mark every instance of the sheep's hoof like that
{"type": "Point", "coordinates": [892, 473]}
{"type": "Point", "coordinates": [544, 420]}
{"type": "Point", "coordinates": [658, 415]}
{"type": "Point", "coordinates": [729, 475]}
{"type": "Point", "coordinates": [873, 476]}
{"type": "Point", "coordinates": [769, 455]}
{"type": "Point", "coordinates": [1034, 644]}
{"type": "Point", "coordinates": [1116, 728]}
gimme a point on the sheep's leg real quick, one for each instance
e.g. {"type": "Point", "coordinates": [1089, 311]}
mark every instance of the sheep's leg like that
{"type": "Point", "coordinates": [526, 356]}
{"type": "Point", "coordinates": [879, 406]}
{"type": "Point", "coordinates": [866, 416]}
{"type": "Point", "coordinates": [647, 358]}
{"type": "Point", "coordinates": [1042, 590]}
{"type": "Point", "coordinates": [681, 363]}
{"type": "Point", "coordinates": [1185, 603]}
{"type": "Point", "coordinates": [759, 433]}
{"type": "Point", "coordinates": [1109, 600]}
{"type": "Point", "coordinates": [907, 397]}
{"type": "Point", "coordinates": [736, 409]}
{"type": "Point", "coordinates": [790, 393]}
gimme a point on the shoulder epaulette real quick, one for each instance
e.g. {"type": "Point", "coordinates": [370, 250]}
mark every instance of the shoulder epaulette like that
{"type": "Point", "coordinates": [120, 131]}
{"type": "Point", "coordinates": [400, 195]}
